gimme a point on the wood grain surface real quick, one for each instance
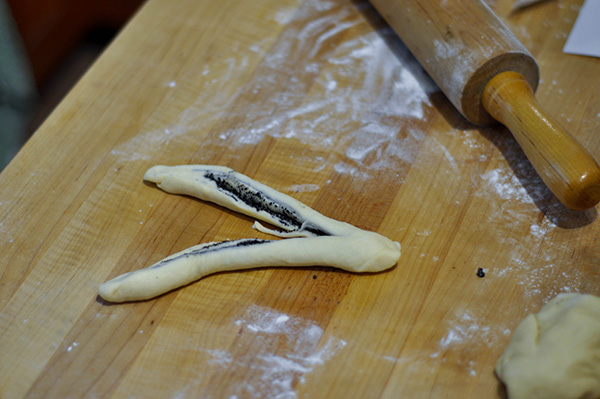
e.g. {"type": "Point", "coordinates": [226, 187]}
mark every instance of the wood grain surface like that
{"type": "Point", "coordinates": [319, 100]}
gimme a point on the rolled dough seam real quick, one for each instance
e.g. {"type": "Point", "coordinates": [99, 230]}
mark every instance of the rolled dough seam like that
{"type": "Point", "coordinates": [312, 238]}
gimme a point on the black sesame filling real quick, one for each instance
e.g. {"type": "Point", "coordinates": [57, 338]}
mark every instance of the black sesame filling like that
{"type": "Point", "coordinates": [261, 202]}
{"type": "Point", "coordinates": [212, 247]}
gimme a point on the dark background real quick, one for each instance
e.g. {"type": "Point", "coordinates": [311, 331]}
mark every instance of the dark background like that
{"type": "Point", "coordinates": [46, 46]}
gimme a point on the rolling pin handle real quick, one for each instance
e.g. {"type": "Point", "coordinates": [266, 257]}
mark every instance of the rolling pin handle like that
{"type": "Point", "coordinates": [564, 165]}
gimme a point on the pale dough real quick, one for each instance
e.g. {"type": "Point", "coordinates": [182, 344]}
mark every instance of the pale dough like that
{"type": "Point", "coordinates": [555, 354]}
{"type": "Point", "coordinates": [312, 238]}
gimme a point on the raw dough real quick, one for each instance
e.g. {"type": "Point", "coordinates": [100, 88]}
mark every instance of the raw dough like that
{"type": "Point", "coordinates": [316, 239]}
{"type": "Point", "coordinates": [555, 354]}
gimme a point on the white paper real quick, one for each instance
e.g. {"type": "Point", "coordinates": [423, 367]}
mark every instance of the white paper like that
{"type": "Point", "coordinates": [584, 38]}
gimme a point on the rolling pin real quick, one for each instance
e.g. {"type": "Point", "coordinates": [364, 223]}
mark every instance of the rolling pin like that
{"type": "Point", "coordinates": [490, 77]}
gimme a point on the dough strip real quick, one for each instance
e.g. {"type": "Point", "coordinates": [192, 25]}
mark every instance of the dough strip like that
{"type": "Point", "coordinates": [319, 240]}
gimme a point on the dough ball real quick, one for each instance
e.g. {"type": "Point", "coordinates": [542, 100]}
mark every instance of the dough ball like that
{"type": "Point", "coordinates": [555, 354]}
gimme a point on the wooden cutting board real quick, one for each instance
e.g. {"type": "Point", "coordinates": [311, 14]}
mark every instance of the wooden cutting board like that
{"type": "Point", "coordinates": [319, 100]}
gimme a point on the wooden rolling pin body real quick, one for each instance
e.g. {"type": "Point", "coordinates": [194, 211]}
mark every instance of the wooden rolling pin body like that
{"type": "Point", "coordinates": [462, 44]}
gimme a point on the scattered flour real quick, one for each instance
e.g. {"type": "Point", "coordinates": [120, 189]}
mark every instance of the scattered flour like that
{"type": "Point", "coordinates": [283, 16]}
{"type": "Point", "coordinates": [534, 278]}
{"type": "Point", "coordinates": [301, 188]}
{"type": "Point", "coordinates": [507, 185]}
{"type": "Point", "coordinates": [539, 230]}
{"type": "Point", "coordinates": [540, 279]}
{"type": "Point", "coordinates": [72, 346]}
{"type": "Point", "coordinates": [468, 334]}
{"type": "Point", "coordinates": [275, 371]}
{"type": "Point", "coordinates": [366, 121]}
{"type": "Point", "coordinates": [5, 234]}
{"type": "Point", "coordinates": [445, 50]}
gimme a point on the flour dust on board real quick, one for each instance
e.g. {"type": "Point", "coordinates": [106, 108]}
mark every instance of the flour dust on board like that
{"type": "Point", "coordinates": [329, 81]}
